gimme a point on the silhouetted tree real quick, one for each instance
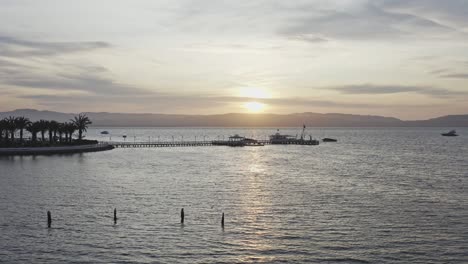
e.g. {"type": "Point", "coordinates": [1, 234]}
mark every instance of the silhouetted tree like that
{"type": "Point", "coordinates": [71, 128]}
{"type": "Point", "coordinates": [81, 122]}
{"type": "Point", "coordinates": [33, 128]}
{"type": "Point", "coordinates": [21, 123]}
{"type": "Point", "coordinates": [3, 129]}
{"type": "Point", "coordinates": [61, 130]}
{"type": "Point", "coordinates": [43, 126]}
{"type": "Point", "coordinates": [53, 128]}
{"type": "Point", "coordinates": [11, 126]}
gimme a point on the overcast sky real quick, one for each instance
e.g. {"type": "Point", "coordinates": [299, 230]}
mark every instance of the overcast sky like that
{"type": "Point", "coordinates": [407, 59]}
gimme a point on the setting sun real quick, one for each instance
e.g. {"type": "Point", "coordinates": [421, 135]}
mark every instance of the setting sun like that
{"type": "Point", "coordinates": [254, 107]}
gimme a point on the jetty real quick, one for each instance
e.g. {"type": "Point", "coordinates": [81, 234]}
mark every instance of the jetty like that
{"type": "Point", "coordinates": [163, 144]}
{"type": "Point", "coordinates": [233, 141]}
{"type": "Point", "coordinates": [159, 144]}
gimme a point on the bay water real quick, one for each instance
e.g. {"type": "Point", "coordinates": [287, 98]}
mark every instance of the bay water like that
{"type": "Point", "coordinates": [378, 195]}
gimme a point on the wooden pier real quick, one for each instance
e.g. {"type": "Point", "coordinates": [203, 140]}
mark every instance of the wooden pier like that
{"type": "Point", "coordinates": [162, 144]}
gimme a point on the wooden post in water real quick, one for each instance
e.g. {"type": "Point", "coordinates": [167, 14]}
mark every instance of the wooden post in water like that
{"type": "Point", "coordinates": [49, 219]}
{"type": "Point", "coordinates": [115, 216]}
{"type": "Point", "coordinates": [222, 221]}
{"type": "Point", "coordinates": [182, 216]}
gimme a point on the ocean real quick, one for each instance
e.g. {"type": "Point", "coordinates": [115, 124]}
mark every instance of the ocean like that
{"type": "Point", "coordinates": [378, 195]}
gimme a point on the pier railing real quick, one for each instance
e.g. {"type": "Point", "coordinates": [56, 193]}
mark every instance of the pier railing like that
{"type": "Point", "coordinates": [193, 143]}
{"type": "Point", "coordinates": [155, 144]}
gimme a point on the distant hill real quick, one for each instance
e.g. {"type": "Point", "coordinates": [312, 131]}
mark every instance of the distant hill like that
{"type": "Point", "coordinates": [243, 120]}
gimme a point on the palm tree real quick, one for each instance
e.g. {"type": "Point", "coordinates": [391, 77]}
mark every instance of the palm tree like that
{"type": "Point", "coordinates": [3, 128]}
{"type": "Point", "coordinates": [43, 126]}
{"type": "Point", "coordinates": [81, 122]}
{"type": "Point", "coordinates": [21, 123]}
{"type": "Point", "coordinates": [11, 127]}
{"type": "Point", "coordinates": [33, 128]}
{"type": "Point", "coordinates": [70, 128]}
{"type": "Point", "coordinates": [61, 130]}
{"type": "Point", "coordinates": [53, 128]}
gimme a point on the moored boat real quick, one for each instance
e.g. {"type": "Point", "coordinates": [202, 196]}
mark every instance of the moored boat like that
{"type": "Point", "coordinates": [329, 140]}
{"type": "Point", "coordinates": [451, 133]}
{"type": "Point", "coordinates": [281, 139]}
{"type": "Point", "coordinates": [278, 138]}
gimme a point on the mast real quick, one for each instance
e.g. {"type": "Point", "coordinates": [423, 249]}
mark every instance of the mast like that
{"type": "Point", "coordinates": [303, 132]}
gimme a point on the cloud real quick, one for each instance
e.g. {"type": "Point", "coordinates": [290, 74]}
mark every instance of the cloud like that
{"type": "Point", "coordinates": [453, 12]}
{"type": "Point", "coordinates": [439, 71]}
{"type": "Point", "coordinates": [293, 101]}
{"type": "Point", "coordinates": [9, 68]}
{"type": "Point", "coordinates": [309, 38]}
{"type": "Point", "coordinates": [369, 20]}
{"type": "Point", "coordinates": [78, 82]}
{"type": "Point", "coordinates": [17, 69]}
{"type": "Point", "coordinates": [396, 89]}
{"type": "Point", "coordinates": [16, 47]}
{"type": "Point", "coordinates": [82, 78]}
{"type": "Point", "coordinates": [177, 103]}
{"type": "Point", "coordinates": [449, 74]}
{"type": "Point", "coordinates": [456, 76]}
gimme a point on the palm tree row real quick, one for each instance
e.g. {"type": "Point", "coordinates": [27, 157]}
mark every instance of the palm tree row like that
{"type": "Point", "coordinates": [11, 125]}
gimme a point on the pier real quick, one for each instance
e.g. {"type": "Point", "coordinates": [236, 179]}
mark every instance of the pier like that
{"type": "Point", "coordinates": [162, 144]}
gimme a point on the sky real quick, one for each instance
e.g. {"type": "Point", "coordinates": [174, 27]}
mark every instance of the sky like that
{"type": "Point", "coordinates": [405, 59]}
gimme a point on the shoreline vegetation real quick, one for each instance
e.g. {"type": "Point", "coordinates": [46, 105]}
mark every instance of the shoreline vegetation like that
{"type": "Point", "coordinates": [20, 136]}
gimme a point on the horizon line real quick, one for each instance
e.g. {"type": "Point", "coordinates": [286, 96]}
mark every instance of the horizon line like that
{"type": "Point", "coordinates": [231, 113]}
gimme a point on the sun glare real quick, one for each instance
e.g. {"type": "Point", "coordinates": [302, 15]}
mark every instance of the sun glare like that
{"type": "Point", "coordinates": [254, 107]}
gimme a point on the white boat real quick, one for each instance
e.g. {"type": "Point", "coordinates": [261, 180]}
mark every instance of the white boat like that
{"type": "Point", "coordinates": [278, 138]}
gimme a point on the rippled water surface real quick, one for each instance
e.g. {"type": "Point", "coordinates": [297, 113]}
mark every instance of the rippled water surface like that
{"type": "Point", "coordinates": [376, 196]}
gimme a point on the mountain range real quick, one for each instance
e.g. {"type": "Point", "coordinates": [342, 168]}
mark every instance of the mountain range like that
{"type": "Point", "coordinates": [105, 119]}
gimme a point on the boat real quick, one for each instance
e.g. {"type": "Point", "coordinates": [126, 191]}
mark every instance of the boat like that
{"type": "Point", "coordinates": [329, 140]}
{"type": "Point", "coordinates": [451, 133]}
{"type": "Point", "coordinates": [105, 132]}
{"type": "Point", "coordinates": [281, 139]}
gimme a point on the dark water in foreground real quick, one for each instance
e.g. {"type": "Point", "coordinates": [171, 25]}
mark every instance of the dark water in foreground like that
{"type": "Point", "coordinates": [377, 196]}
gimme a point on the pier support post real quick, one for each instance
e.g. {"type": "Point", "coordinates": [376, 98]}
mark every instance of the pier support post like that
{"type": "Point", "coordinates": [182, 216]}
{"type": "Point", "coordinates": [222, 221]}
{"type": "Point", "coordinates": [115, 216]}
{"type": "Point", "coordinates": [49, 219]}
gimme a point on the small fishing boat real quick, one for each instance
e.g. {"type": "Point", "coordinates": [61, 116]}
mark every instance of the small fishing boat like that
{"type": "Point", "coordinates": [451, 133]}
{"type": "Point", "coordinates": [329, 140]}
{"type": "Point", "coordinates": [105, 132]}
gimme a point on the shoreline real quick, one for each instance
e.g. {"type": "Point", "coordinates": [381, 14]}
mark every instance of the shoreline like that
{"type": "Point", "coordinates": [55, 150]}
